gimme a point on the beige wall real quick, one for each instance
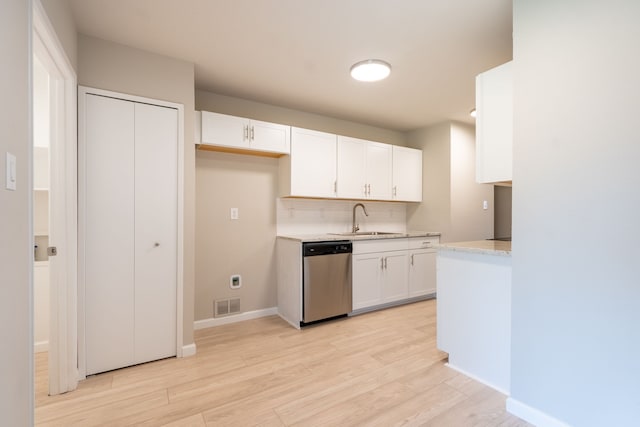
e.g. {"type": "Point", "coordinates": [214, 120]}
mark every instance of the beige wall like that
{"type": "Point", "coordinates": [61, 18]}
{"type": "Point", "coordinates": [502, 218]}
{"type": "Point", "coordinates": [452, 201]}
{"type": "Point", "coordinates": [119, 68]}
{"type": "Point", "coordinates": [245, 246]}
{"type": "Point", "coordinates": [469, 221]}
{"type": "Point", "coordinates": [16, 359]}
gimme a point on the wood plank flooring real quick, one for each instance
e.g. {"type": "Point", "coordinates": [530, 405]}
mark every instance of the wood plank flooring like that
{"type": "Point", "coordinates": [376, 369]}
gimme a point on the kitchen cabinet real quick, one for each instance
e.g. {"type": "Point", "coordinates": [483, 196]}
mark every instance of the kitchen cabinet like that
{"type": "Point", "coordinates": [364, 169]}
{"type": "Point", "coordinates": [407, 174]}
{"type": "Point", "coordinates": [380, 272]}
{"type": "Point", "coordinates": [128, 192]}
{"type": "Point", "coordinates": [494, 125]}
{"type": "Point", "coordinates": [310, 169]}
{"type": "Point", "coordinates": [238, 134]}
{"type": "Point", "coordinates": [422, 266]}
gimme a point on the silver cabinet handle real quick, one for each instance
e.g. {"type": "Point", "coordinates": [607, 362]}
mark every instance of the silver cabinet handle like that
{"type": "Point", "coordinates": [365, 189]}
{"type": "Point", "coordinates": [411, 259]}
{"type": "Point", "coordinates": [381, 263]}
{"type": "Point", "coordinates": [253, 133]}
{"type": "Point", "coordinates": [385, 263]}
{"type": "Point", "coordinates": [335, 187]}
{"type": "Point", "coordinates": [395, 190]}
{"type": "Point", "coordinates": [246, 132]}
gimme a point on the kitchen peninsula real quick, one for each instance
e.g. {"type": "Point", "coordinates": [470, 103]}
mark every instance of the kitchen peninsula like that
{"type": "Point", "coordinates": [474, 309]}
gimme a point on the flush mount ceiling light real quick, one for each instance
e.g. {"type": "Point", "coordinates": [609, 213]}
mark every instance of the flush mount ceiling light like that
{"type": "Point", "coordinates": [370, 70]}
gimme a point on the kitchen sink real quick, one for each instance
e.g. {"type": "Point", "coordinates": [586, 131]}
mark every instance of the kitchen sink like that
{"type": "Point", "coordinates": [367, 233]}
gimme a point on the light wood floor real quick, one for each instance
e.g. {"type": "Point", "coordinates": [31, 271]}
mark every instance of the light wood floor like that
{"type": "Point", "coordinates": [376, 369]}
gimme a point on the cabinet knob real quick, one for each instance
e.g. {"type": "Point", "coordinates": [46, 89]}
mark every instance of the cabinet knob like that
{"type": "Point", "coordinates": [156, 244]}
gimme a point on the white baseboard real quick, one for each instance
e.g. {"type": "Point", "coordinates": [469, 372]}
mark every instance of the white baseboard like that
{"type": "Point", "coordinates": [188, 350]}
{"type": "Point", "coordinates": [480, 380]}
{"type": "Point", "coordinates": [41, 346]}
{"type": "Point", "coordinates": [532, 415]}
{"type": "Point", "coordinates": [218, 321]}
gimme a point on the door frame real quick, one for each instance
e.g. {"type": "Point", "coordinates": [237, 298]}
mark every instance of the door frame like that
{"type": "Point", "coordinates": [63, 373]}
{"type": "Point", "coordinates": [83, 91]}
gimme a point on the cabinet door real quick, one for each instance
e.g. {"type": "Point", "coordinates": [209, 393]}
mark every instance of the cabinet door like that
{"type": "Point", "coordinates": [352, 168]}
{"type": "Point", "coordinates": [109, 226]}
{"type": "Point", "coordinates": [156, 200]}
{"type": "Point", "coordinates": [494, 124]}
{"type": "Point", "coordinates": [422, 273]}
{"type": "Point", "coordinates": [367, 280]}
{"type": "Point", "coordinates": [313, 163]}
{"type": "Point", "coordinates": [224, 130]}
{"type": "Point", "coordinates": [395, 284]}
{"type": "Point", "coordinates": [407, 174]}
{"type": "Point", "coordinates": [378, 166]}
{"type": "Point", "coordinates": [271, 137]}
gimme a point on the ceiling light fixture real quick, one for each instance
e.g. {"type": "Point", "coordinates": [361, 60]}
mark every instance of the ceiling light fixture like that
{"type": "Point", "coordinates": [370, 70]}
{"type": "Point", "coordinates": [472, 113]}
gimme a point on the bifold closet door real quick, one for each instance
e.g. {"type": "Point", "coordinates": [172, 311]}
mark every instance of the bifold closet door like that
{"type": "Point", "coordinates": [156, 211]}
{"type": "Point", "coordinates": [130, 232]}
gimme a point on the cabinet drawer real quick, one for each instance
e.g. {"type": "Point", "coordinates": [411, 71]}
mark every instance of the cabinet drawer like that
{"type": "Point", "coordinates": [380, 245]}
{"type": "Point", "coordinates": [423, 242]}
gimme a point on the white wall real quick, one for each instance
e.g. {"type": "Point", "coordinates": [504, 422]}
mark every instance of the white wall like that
{"type": "Point", "coordinates": [16, 357]}
{"type": "Point", "coordinates": [576, 210]}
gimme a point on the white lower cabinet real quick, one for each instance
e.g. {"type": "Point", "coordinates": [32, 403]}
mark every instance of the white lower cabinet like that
{"type": "Point", "coordinates": [379, 272]}
{"type": "Point", "coordinates": [422, 266]}
{"type": "Point", "coordinates": [390, 270]}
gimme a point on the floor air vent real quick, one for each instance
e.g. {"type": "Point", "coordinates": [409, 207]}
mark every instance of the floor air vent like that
{"type": "Point", "coordinates": [225, 307]}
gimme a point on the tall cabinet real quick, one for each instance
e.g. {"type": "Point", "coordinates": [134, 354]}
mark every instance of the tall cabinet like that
{"type": "Point", "coordinates": [129, 228]}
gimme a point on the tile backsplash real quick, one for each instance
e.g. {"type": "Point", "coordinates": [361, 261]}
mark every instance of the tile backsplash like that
{"type": "Point", "coordinates": [317, 216]}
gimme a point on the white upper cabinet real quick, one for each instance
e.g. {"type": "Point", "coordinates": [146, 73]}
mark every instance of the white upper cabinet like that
{"type": "Point", "coordinates": [364, 169]}
{"type": "Point", "coordinates": [310, 170]}
{"type": "Point", "coordinates": [230, 133]}
{"type": "Point", "coordinates": [407, 174]}
{"type": "Point", "coordinates": [494, 124]}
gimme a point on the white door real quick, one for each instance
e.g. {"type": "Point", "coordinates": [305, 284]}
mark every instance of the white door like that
{"type": "Point", "coordinates": [352, 168]}
{"type": "Point", "coordinates": [109, 237]}
{"type": "Point", "coordinates": [367, 280]}
{"type": "Point", "coordinates": [156, 195]}
{"type": "Point", "coordinates": [271, 137]}
{"type": "Point", "coordinates": [422, 273]}
{"type": "Point", "coordinates": [130, 225]}
{"type": "Point", "coordinates": [395, 285]}
{"type": "Point", "coordinates": [378, 171]}
{"type": "Point", "coordinates": [313, 163]}
{"type": "Point", "coordinates": [222, 129]}
{"type": "Point", "coordinates": [407, 174]}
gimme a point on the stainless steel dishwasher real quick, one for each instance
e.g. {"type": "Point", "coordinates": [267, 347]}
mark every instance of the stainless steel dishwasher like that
{"type": "Point", "coordinates": [326, 272]}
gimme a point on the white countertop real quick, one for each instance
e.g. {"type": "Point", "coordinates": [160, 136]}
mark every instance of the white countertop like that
{"type": "Point", "coordinates": [327, 237]}
{"type": "Point", "coordinates": [488, 247]}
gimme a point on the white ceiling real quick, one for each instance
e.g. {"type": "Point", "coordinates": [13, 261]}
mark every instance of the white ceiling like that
{"type": "Point", "coordinates": [297, 53]}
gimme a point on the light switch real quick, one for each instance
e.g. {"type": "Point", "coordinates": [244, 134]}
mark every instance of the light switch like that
{"type": "Point", "coordinates": [11, 172]}
{"type": "Point", "coordinates": [234, 213]}
{"type": "Point", "coordinates": [485, 205]}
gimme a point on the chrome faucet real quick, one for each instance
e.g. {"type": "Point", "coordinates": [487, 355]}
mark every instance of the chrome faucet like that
{"type": "Point", "coordinates": [354, 227]}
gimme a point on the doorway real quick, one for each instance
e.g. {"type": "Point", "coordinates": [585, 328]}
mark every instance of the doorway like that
{"type": "Point", "coordinates": [59, 193]}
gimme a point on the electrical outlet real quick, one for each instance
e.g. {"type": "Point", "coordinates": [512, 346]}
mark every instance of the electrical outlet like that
{"type": "Point", "coordinates": [234, 213]}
